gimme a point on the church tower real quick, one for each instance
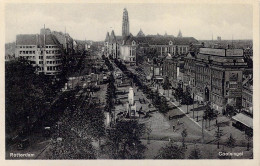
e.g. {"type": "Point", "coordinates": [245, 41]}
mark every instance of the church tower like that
{"type": "Point", "coordinates": [179, 34]}
{"type": "Point", "coordinates": [125, 25]}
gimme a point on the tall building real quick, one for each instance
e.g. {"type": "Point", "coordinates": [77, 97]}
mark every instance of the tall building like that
{"type": "Point", "coordinates": [215, 75]}
{"type": "Point", "coordinates": [125, 24]}
{"type": "Point", "coordinates": [42, 50]}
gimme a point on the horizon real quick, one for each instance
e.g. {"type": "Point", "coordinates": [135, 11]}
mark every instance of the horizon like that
{"type": "Point", "coordinates": [221, 20]}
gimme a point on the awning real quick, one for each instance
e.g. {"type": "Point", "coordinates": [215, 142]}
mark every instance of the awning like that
{"type": "Point", "coordinates": [244, 119]}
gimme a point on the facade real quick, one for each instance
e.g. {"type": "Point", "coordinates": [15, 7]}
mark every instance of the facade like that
{"type": "Point", "coordinates": [66, 42]}
{"type": "Point", "coordinates": [140, 34]}
{"type": "Point", "coordinates": [169, 69]}
{"type": "Point", "coordinates": [125, 24]}
{"type": "Point", "coordinates": [112, 44]}
{"type": "Point", "coordinates": [247, 91]}
{"type": "Point", "coordinates": [128, 50]}
{"type": "Point", "coordinates": [43, 51]}
{"type": "Point", "coordinates": [215, 75]}
{"type": "Point", "coordinates": [161, 46]}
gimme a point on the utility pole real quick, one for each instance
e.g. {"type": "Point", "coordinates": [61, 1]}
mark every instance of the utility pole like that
{"type": "Point", "coordinates": [193, 106]}
{"type": "Point", "coordinates": [202, 130]}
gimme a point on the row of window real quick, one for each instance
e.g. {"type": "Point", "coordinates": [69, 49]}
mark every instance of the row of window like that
{"type": "Point", "coordinates": [216, 99]}
{"type": "Point", "coordinates": [52, 47]}
{"type": "Point", "coordinates": [52, 57]}
{"type": "Point", "coordinates": [29, 57]}
{"type": "Point", "coordinates": [52, 51]}
{"type": "Point", "coordinates": [216, 90]}
{"type": "Point", "coordinates": [247, 97]}
{"type": "Point", "coordinates": [55, 68]}
{"type": "Point", "coordinates": [53, 62]}
{"type": "Point", "coordinates": [27, 52]}
{"type": "Point", "coordinates": [27, 46]}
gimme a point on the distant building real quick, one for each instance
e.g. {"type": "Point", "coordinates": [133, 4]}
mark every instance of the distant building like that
{"type": "Point", "coordinates": [140, 34]}
{"type": "Point", "coordinates": [247, 92]}
{"type": "Point", "coordinates": [112, 43]}
{"type": "Point", "coordinates": [127, 46]}
{"type": "Point", "coordinates": [128, 50]}
{"type": "Point", "coordinates": [218, 38]}
{"type": "Point", "coordinates": [169, 70]}
{"type": "Point", "coordinates": [215, 75]}
{"type": "Point", "coordinates": [43, 51]}
{"type": "Point", "coordinates": [66, 42]}
{"type": "Point", "coordinates": [125, 24]}
{"type": "Point", "coordinates": [179, 34]}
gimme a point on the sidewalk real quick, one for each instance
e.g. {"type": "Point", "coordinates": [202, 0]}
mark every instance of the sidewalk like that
{"type": "Point", "coordinates": [225, 122]}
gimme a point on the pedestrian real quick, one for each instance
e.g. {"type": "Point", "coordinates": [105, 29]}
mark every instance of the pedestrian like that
{"type": "Point", "coordinates": [178, 122]}
{"type": "Point", "coordinates": [216, 121]}
{"type": "Point", "coordinates": [173, 127]}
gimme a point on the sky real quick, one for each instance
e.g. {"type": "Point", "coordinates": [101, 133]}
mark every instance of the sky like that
{"type": "Point", "coordinates": [93, 21]}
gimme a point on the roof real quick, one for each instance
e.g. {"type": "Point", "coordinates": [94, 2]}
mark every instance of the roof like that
{"type": "Point", "coordinates": [107, 37]}
{"type": "Point", "coordinates": [26, 39]}
{"type": "Point", "coordinates": [160, 40]}
{"type": "Point", "coordinates": [140, 33]}
{"type": "Point", "coordinates": [185, 40]}
{"type": "Point", "coordinates": [36, 39]}
{"type": "Point", "coordinates": [244, 119]}
{"type": "Point", "coordinates": [61, 37]}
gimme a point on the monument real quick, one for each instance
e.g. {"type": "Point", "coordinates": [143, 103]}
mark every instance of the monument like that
{"type": "Point", "coordinates": [131, 105]}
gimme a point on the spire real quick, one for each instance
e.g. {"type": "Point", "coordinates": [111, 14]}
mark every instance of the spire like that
{"type": "Point", "coordinates": [140, 33]}
{"type": "Point", "coordinates": [113, 36]}
{"type": "Point", "coordinates": [107, 37]}
{"type": "Point", "coordinates": [179, 34]}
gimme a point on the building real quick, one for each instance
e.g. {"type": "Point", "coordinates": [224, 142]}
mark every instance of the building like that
{"type": "Point", "coordinates": [215, 75]}
{"type": "Point", "coordinates": [128, 50]}
{"type": "Point", "coordinates": [179, 34]}
{"type": "Point", "coordinates": [66, 42]}
{"type": "Point", "coordinates": [125, 24]}
{"type": "Point", "coordinates": [125, 47]}
{"type": "Point", "coordinates": [112, 44]}
{"type": "Point", "coordinates": [247, 91]}
{"type": "Point", "coordinates": [140, 34]}
{"type": "Point", "coordinates": [42, 50]}
{"type": "Point", "coordinates": [169, 70]}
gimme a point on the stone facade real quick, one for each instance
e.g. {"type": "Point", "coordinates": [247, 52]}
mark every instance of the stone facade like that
{"type": "Point", "coordinates": [215, 75]}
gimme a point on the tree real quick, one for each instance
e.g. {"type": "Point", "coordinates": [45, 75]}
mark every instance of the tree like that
{"type": "Point", "coordinates": [166, 84]}
{"type": "Point", "coordinates": [27, 94]}
{"type": "Point", "coordinates": [187, 99]}
{"type": "Point", "coordinates": [184, 135]}
{"type": "Point", "coordinates": [218, 135]}
{"type": "Point", "coordinates": [208, 114]}
{"type": "Point", "coordinates": [230, 110]}
{"type": "Point", "coordinates": [171, 151]}
{"type": "Point", "coordinates": [163, 107]}
{"type": "Point", "coordinates": [248, 136]}
{"type": "Point", "coordinates": [71, 145]}
{"type": "Point", "coordinates": [123, 141]}
{"type": "Point", "coordinates": [195, 154]}
{"type": "Point", "coordinates": [178, 93]}
{"type": "Point", "coordinates": [230, 142]}
{"type": "Point", "coordinates": [156, 99]}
